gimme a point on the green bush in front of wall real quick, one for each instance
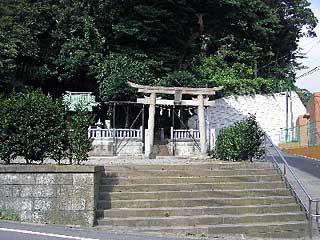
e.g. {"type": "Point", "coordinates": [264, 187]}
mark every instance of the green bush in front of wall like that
{"type": "Point", "coordinates": [79, 144]}
{"type": "Point", "coordinates": [241, 141]}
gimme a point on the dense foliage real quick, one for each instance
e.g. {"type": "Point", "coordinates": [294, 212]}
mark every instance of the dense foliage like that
{"type": "Point", "coordinates": [75, 45]}
{"type": "Point", "coordinates": [32, 126]}
{"type": "Point", "coordinates": [114, 72]}
{"type": "Point", "coordinates": [242, 141]}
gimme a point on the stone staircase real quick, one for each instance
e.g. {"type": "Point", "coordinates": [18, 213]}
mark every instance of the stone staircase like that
{"type": "Point", "coordinates": [161, 150]}
{"type": "Point", "coordinates": [200, 200]}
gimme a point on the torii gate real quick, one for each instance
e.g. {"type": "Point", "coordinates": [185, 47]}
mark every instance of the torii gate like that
{"type": "Point", "coordinates": [200, 101]}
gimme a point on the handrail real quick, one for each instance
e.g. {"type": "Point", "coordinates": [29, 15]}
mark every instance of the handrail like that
{"type": "Point", "coordinates": [311, 200]}
{"type": "Point", "coordinates": [289, 168]}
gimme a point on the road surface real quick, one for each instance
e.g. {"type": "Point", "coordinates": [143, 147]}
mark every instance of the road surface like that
{"type": "Point", "coordinates": [25, 231]}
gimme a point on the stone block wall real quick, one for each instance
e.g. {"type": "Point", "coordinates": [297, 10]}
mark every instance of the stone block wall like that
{"type": "Point", "coordinates": [270, 111]}
{"type": "Point", "coordinates": [126, 147]}
{"type": "Point", "coordinates": [50, 193]}
{"type": "Point", "coordinates": [183, 148]}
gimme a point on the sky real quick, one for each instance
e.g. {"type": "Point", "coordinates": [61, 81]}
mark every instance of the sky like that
{"type": "Point", "coordinates": [311, 47]}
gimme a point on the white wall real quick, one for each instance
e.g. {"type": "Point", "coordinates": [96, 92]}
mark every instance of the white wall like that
{"type": "Point", "coordinates": [270, 111]}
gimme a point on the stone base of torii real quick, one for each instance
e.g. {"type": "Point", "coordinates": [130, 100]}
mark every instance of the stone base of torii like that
{"type": "Point", "coordinates": [201, 102]}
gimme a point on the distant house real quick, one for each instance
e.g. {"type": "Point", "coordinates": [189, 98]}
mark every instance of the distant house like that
{"type": "Point", "coordinates": [304, 138]}
{"type": "Point", "coordinates": [309, 123]}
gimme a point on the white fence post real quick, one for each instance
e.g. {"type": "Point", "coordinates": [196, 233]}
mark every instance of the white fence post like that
{"type": "Point", "coordinates": [171, 133]}
{"type": "Point", "coordinates": [89, 132]}
{"type": "Point", "coordinates": [212, 138]}
{"type": "Point", "coordinates": [184, 133]}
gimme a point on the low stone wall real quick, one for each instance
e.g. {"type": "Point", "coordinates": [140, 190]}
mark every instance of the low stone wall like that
{"type": "Point", "coordinates": [124, 147]}
{"type": "Point", "coordinates": [183, 148]}
{"type": "Point", "coordinates": [50, 193]}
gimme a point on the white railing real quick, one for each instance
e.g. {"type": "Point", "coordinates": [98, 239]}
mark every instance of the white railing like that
{"type": "Point", "coordinates": [184, 134]}
{"type": "Point", "coordinates": [100, 133]}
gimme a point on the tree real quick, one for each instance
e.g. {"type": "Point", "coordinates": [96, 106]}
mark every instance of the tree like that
{"type": "Point", "coordinates": [58, 45]}
{"type": "Point", "coordinates": [114, 72]}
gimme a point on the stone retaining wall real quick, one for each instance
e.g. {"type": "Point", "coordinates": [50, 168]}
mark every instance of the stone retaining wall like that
{"type": "Point", "coordinates": [312, 152]}
{"type": "Point", "coordinates": [50, 193]}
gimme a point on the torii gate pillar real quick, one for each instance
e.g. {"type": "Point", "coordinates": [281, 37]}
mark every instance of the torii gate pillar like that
{"type": "Point", "coordinates": [202, 125]}
{"type": "Point", "coordinates": [151, 120]}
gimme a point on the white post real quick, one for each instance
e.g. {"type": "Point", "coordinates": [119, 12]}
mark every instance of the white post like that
{"type": "Point", "coordinates": [202, 126]}
{"type": "Point", "coordinates": [147, 149]}
{"type": "Point", "coordinates": [140, 132]}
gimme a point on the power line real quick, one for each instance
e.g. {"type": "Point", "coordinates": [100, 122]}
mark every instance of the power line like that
{"type": "Point", "coordinates": [274, 61]}
{"type": "Point", "coordinates": [313, 70]}
{"type": "Point", "coordinates": [311, 47]}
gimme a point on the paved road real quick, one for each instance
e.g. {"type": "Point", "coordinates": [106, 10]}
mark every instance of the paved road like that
{"type": "Point", "coordinates": [308, 171]}
{"type": "Point", "coordinates": [16, 231]}
{"type": "Point", "coordinates": [26, 231]}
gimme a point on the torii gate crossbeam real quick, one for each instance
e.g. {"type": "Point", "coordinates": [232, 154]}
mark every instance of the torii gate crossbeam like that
{"type": "Point", "coordinates": [201, 102]}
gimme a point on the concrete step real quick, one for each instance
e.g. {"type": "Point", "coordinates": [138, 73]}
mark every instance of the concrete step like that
{"type": "Point", "coordinates": [202, 179]}
{"type": "Point", "coordinates": [193, 194]}
{"type": "Point", "coordinates": [191, 186]}
{"type": "Point", "coordinates": [193, 202]}
{"type": "Point", "coordinates": [193, 211]}
{"type": "Point", "coordinates": [203, 166]}
{"type": "Point", "coordinates": [281, 230]}
{"type": "Point", "coordinates": [201, 220]}
{"type": "Point", "coordinates": [188, 173]}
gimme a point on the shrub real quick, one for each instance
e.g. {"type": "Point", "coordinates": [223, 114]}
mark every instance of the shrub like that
{"type": "Point", "coordinates": [242, 141]}
{"type": "Point", "coordinates": [8, 214]}
{"type": "Point", "coordinates": [32, 126]}
{"type": "Point", "coordinates": [78, 142]}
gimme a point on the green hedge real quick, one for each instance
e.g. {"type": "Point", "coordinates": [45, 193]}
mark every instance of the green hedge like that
{"type": "Point", "coordinates": [34, 126]}
{"type": "Point", "coordinates": [241, 141]}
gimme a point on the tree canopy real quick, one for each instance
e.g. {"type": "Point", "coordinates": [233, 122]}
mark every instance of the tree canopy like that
{"type": "Point", "coordinates": [86, 45]}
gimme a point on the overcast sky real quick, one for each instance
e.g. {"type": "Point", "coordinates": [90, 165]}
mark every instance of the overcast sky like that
{"type": "Point", "coordinates": [311, 46]}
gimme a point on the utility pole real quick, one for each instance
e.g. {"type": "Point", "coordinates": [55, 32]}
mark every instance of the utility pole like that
{"type": "Point", "coordinates": [287, 114]}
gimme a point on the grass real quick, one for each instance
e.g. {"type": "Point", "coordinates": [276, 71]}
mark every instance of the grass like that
{"type": "Point", "coordinates": [6, 214]}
